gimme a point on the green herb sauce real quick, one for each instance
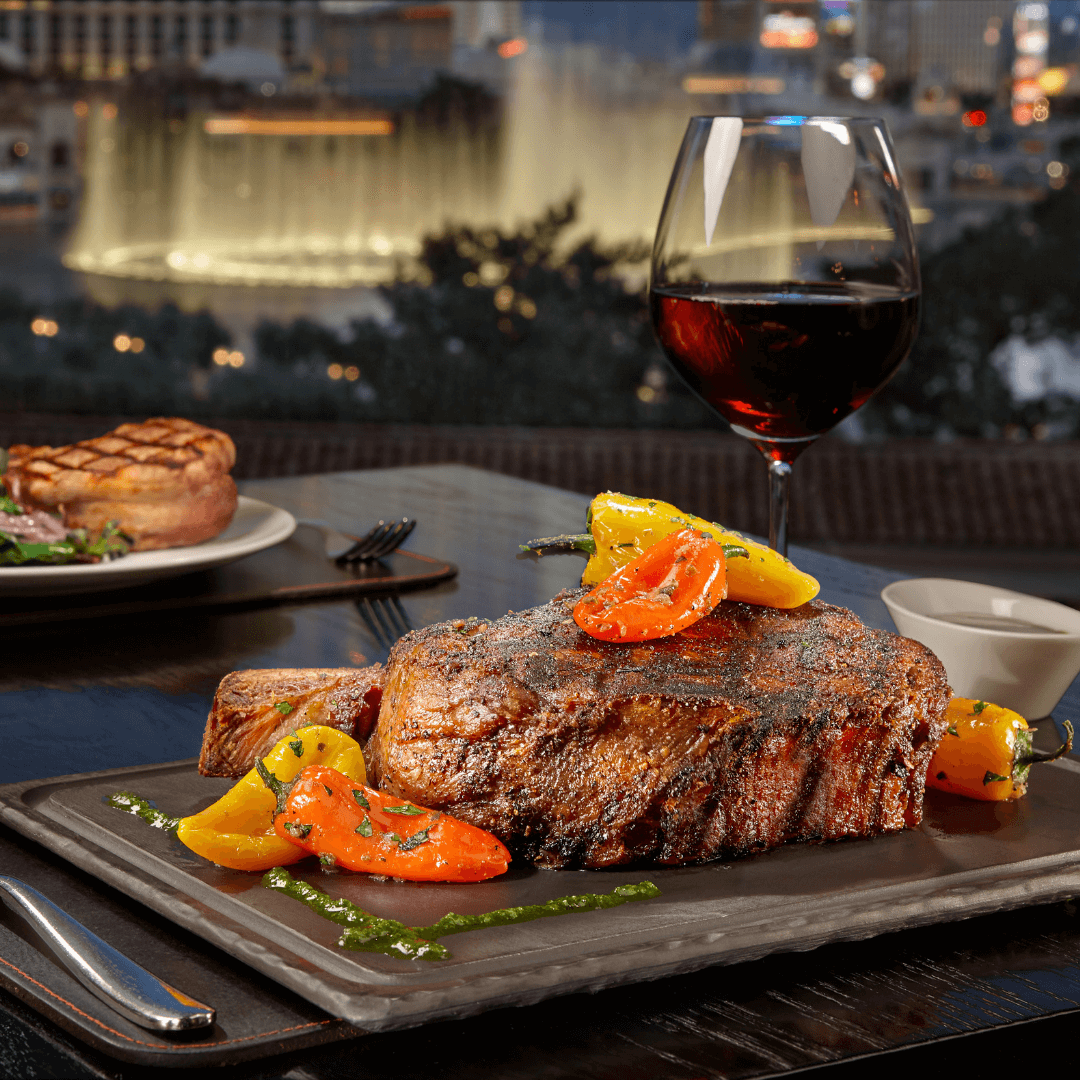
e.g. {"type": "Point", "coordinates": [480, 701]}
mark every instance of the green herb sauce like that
{"type": "Point", "coordinates": [564, 905]}
{"type": "Point", "coordinates": [135, 804]}
{"type": "Point", "coordinates": [365, 932]}
{"type": "Point", "coordinates": [369, 933]}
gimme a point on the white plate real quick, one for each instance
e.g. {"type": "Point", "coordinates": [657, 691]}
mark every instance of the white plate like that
{"type": "Point", "coordinates": [255, 525]}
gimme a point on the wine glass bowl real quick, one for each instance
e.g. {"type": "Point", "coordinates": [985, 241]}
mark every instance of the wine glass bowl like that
{"type": "Point", "coordinates": [785, 279]}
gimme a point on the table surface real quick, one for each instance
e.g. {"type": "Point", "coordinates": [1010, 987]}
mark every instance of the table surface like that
{"type": "Point", "coordinates": [87, 696]}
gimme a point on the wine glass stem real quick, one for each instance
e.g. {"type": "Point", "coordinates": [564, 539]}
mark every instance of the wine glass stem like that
{"type": "Point", "coordinates": [779, 475]}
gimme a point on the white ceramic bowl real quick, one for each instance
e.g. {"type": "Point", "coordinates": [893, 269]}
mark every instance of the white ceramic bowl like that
{"type": "Point", "coordinates": [1027, 671]}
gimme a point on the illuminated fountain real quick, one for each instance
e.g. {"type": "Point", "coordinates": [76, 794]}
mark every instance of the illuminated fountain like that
{"type": "Point", "coordinates": [234, 201]}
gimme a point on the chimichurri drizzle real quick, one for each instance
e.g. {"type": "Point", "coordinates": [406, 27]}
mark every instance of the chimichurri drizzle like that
{"type": "Point", "coordinates": [130, 803]}
{"type": "Point", "coordinates": [363, 931]}
{"type": "Point", "coordinates": [563, 905]}
{"type": "Point", "coordinates": [371, 934]}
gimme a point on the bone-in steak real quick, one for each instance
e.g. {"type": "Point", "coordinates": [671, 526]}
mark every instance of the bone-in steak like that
{"type": "Point", "coordinates": [252, 710]}
{"type": "Point", "coordinates": [753, 727]}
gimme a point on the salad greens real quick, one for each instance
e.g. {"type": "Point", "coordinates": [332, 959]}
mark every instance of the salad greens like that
{"type": "Point", "coordinates": [76, 548]}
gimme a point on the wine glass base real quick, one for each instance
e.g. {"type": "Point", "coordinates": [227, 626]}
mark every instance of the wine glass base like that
{"type": "Point", "coordinates": [775, 448]}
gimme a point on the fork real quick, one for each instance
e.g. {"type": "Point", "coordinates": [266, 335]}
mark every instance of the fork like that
{"type": "Point", "coordinates": [384, 538]}
{"type": "Point", "coordinates": [380, 541]}
{"type": "Point", "coordinates": [385, 618]}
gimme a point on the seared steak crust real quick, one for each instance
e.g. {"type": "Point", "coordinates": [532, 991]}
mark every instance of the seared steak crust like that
{"type": "Point", "coordinates": [253, 710]}
{"type": "Point", "coordinates": [750, 728]}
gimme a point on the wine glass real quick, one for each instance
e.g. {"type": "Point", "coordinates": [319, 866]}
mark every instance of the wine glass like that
{"type": "Point", "coordinates": [785, 280]}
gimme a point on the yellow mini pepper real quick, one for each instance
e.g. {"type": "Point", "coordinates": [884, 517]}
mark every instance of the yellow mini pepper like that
{"type": "Point", "coordinates": [986, 752]}
{"type": "Point", "coordinates": [238, 830]}
{"type": "Point", "coordinates": [621, 527]}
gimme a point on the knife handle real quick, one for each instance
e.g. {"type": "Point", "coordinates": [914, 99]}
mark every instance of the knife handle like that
{"type": "Point", "coordinates": [129, 989]}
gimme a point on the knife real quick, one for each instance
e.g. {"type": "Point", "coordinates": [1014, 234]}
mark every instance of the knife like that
{"type": "Point", "coordinates": [129, 989]}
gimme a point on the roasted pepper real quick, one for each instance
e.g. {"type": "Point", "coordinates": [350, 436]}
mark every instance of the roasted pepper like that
{"type": "Point", "coordinates": [621, 527]}
{"type": "Point", "coordinates": [238, 830]}
{"type": "Point", "coordinates": [986, 752]}
{"type": "Point", "coordinates": [671, 585]}
{"type": "Point", "coordinates": [353, 826]}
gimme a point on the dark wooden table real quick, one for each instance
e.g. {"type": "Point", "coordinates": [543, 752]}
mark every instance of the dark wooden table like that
{"type": "Point", "coordinates": [994, 993]}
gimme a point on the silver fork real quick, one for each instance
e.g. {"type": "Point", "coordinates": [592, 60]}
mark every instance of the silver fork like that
{"type": "Point", "coordinates": [384, 538]}
{"type": "Point", "coordinates": [385, 618]}
{"type": "Point", "coordinates": [380, 541]}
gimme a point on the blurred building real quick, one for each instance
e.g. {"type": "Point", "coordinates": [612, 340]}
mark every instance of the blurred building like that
{"type": "Point", "coordinates": [355, 47]}
{"type": "Point", "coordinates": [39, 178]}
{"type": "Point", "coordinates": [966, 45]}
{"type": "Point", "coordinates": [397, 49]}
{"type": "Point", "coordinates": [109, 39]}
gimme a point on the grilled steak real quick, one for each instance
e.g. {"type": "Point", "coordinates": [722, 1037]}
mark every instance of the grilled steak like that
{"type": "Point", "coordinates": [750, 728]}
{"type": "Point", "coordinates": [165, 481]}
{"type": "Point", "coordinates": [253, 710]}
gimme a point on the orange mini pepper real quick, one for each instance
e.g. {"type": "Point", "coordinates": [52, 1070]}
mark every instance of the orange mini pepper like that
{"type": "Point", "coordinates": [238, 830]}
{"type": "Point", "coordinates": [353, 826]}
{"type": "Point", "coordinates": [986, 752]}
{"type": "Point", "coordinates": [667, 588]}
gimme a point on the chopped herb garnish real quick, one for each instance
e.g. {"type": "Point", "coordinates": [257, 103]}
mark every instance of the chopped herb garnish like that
{"type": "Point", "coordinates": [993, 778]}
{"type": "Point", "coordinates": [296, 830]}
{"type": "Point", "coordinates": [415, 840]}
{"type": "Point", "coordinates": [978, 707]}
{"type": "Point", "coordinates": [364, 828]}
{"type": "Point", "coordinates": [296, 746]}
{"type": "Point", "coordinates": [361, 799]}
{"type": "Point", "coordinates": [411, 811]}
{"type": "Point", "coordinates": [393, 836]}
{"type": "Point", "coordinates": [951, 729]}
{"type": "Point", "coordinates": [329, 790]}
{"type": "Point", "coordinates": [283, 707]}
{"type": "Point", "coordinates": [328, 860]}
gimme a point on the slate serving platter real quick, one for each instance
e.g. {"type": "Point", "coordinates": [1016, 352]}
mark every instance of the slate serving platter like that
{"type": "Point", "coordinates": [968, 858]}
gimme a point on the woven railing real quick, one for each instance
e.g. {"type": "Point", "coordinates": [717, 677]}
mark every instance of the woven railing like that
{"type": "Point", "coordinates": [961, 494]}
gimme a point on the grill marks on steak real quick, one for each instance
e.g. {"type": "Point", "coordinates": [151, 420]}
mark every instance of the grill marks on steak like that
{"type": "Point", "coordinates": [750, 728]}
{"type": "Point", "coordinates": [165, 481]}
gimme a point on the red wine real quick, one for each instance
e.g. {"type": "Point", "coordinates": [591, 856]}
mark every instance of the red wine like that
{"type": "Point", "coordinates": [784, 365]}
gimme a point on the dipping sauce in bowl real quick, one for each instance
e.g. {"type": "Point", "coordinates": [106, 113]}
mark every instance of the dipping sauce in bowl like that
{"type": "Point", "coordinates": [997, 645]}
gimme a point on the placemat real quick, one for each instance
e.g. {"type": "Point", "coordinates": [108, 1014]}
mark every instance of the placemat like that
{"type": "Point", "coordinates": [255, 1017]}
{"type": "Point", "coordinates": [294, 571]}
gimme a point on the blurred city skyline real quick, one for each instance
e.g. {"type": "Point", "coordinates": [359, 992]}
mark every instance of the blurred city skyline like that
{"type": "Point", "coordinates": [263, 159]}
